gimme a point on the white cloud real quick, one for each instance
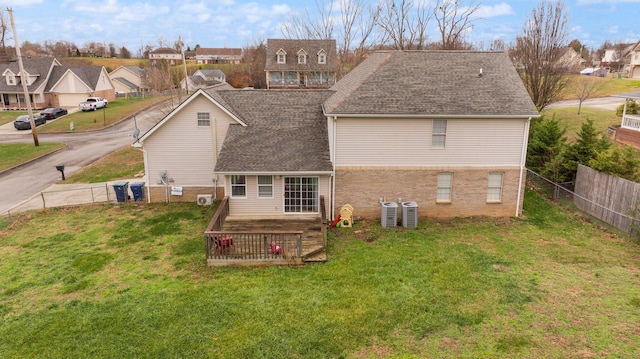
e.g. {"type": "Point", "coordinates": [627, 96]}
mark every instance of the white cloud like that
{"type": "Point", "coordinates": [611, 30]}
{"type": "Point", "coordinates": [494, 10]}
{"type": "Point", "coordinates": [591, 2]}
{"type": "Point", "coordinates": [21, 2]}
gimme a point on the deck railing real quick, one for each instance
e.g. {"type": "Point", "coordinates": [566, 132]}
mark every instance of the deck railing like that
{"type": "Point", "coordinates": [217, 221]}
{"type": "Point", "coordinates": [631, 122]}
{"type": "Point", "coordinates": [250, 248]}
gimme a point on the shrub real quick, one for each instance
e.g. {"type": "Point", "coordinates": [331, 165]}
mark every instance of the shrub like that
{"type": "Point", "coordinates": [632, 108]}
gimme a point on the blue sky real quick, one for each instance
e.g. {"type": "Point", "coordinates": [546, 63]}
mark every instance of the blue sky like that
{"type": "Point", "coordinates": [237, 23]}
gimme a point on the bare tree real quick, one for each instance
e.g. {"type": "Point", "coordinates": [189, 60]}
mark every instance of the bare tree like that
{"type": "Point", "coordinates": [318, 24]}
{"type": "Point", "coordinates": [454, 21]}
{"type": "Point", "coordinates": [404, 23]}
{"type": "Point", "coordinates": [256, 56]}
{"type": "Point", "coordinates": [357, 22]}
{"type": "Point", "coordinates": [4, 33]}
{"type": "Point", "coordinates": [584, 87]}
{"type": "Point", "coordinates": [538, 50]}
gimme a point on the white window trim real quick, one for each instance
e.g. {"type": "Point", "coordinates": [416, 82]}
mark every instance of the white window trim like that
{"type": "Point", "coordinates": [500, 188]}
{"type": "Point", "coordinates": [449, 188]}
{"type": "Point", "coordinates": [435, 134]}
{"type": "Point", "coordinates": [238, 185]}
{"type": "Point", "coordinates": [204, 119]}
{"type": "Point", "coordinates": [317, 199]}
{"type": "Point", "coordinates": [259, 185]}
{"type": "Point", "coordinates": [281, 54]}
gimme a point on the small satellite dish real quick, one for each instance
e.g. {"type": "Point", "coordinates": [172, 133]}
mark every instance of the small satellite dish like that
{"type": "Point", "coordinates": [136, 133]}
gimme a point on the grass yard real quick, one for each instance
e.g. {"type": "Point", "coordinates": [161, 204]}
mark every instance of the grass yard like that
{"type": "Point", "coordinates": [131, 281]}
{"type": "Point", "coordinates": [95, 120]}
{"type": "Point", "coordinates": [10, 116]}
{"type": "Point", "coordinates": [124, 163]}
{"type": "Point", "coordinates": [569, 118]}
{"type": "Point", "coordinates": [13, 154]}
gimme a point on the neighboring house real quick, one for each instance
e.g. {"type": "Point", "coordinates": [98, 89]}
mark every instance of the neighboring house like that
{"type": "Point", "coordinates": [400, 125]}
{"type": "Point", "coordinates": [571, 61]}
{"type": "Point", "coordinates": [52, 85]}
{"type": "Point", "coordinates": [170, 55]}
{"type": "Point", "coordinates": [634, 61]}
{"type": "Point", "coordinates": [128, 79]}
{"type": "Point", "coordinates": [218, 55]}
{"type": "Point", "coordinates": [203, 78]}
{"type": "Point", "coordinates": [301, 63]}
{"type": "Point", "coordinates": [629, 131]}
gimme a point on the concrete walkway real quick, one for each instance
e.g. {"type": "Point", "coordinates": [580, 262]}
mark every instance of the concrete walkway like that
{"type": "Point", "coordinates": [59, 195]}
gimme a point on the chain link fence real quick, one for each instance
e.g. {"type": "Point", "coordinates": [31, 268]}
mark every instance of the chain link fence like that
{"type": "Point", "coordinates": [65, 195]}
{"type": "Point", "coordinates": [563, 194]}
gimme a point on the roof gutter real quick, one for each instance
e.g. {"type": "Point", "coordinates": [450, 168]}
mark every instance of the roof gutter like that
{"type": "Point", "coordinates": [439, 116]}
{"type": "Point", "coordinates": [275, 173]}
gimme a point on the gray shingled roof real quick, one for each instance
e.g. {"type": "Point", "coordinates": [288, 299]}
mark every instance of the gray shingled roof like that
{"type": "Point", "coordinates": [291, 47]}
{"type": "Point", "coordinates": [87, 74]}
{"type": "Point", "coordinates": [286, 132]}
{"type": "Point", "coordinates": [33, 66]}
{"type": "Point", "coordinates": [137, 70]}
{"type": "Point", "coordinates": [432, 83]}
{"type": "Point", "coordinates": [130, 85]}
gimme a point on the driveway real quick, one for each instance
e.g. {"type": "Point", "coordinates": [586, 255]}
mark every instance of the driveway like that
{"type": "Point", "coordinates": [603, 103]}
{"type": "Point", "coordinates": [83, 148]}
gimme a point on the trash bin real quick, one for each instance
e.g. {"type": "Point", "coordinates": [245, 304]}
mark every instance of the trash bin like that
{"type": "Point", "coordinates": [121, 188]}
{"type": "Point", "coordinates": [389, 215]}
{"type": "Point", "coordinates": [409, 214]}
{"type": "Point", "coordinates": [137, 189]}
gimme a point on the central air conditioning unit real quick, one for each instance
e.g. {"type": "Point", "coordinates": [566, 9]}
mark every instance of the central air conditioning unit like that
{"type": "Point", "coordinates": [205, 199]}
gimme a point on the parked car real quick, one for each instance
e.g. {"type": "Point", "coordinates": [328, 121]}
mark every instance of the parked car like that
{"type": "Point", "coordinates": [23, 123]}
{"type": "Point", "coordinates": [53, 112]}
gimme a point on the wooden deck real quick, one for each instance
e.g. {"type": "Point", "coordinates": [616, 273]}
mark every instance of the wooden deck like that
{"type": "Point", "coordinates": [257, 241]}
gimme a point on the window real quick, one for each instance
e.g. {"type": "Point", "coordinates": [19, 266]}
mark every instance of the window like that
{"type": "Point", "coordinates": [292, 76]}
{"type": "Point", "coordinates": [238, 186]}
{"type": "Point", "coordinates": [301, 195]}
{"type": "Point", "coordinates": [282, 56]}
{"type": "Point", "coordinates": [322, 59]}
{"type": "Point", "coordinates": [203, 119]}
{"type": "Point", "coordinates": [439, 134]}
{"type": "Point", "coordinates": [445, 183]}
{"type": "Point", "coordinates": [494, 189]}
{"type": "Point", "coordinates": [276, 76]}
{"type": "Point", "coordinates": [302, 59]}
{"type": "Point", "coordinates": [265, 186]}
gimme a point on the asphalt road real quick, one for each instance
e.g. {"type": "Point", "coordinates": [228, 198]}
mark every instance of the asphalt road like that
{"type": "Point", "coordinates": [603, 103]}
{"type": "Point", "coordinates": [83, 148]}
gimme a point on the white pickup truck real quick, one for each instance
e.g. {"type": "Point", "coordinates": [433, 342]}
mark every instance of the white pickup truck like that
{"type": "Point", "coordinates": [93, 103]}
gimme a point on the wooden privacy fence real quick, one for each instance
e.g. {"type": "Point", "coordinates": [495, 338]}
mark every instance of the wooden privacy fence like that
{"type": "Point", "coordinates": [611, 199]}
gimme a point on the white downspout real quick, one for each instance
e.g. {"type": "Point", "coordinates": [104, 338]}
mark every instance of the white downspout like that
{"type": "Point", "coordinates": [333, 183]}
{"type": "Point", "coordinates": [523, 157]}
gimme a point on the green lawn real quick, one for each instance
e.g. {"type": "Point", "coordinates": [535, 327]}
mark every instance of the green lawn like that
{"type": "Point", "coordinates": [569, 118]}
{"type": "Point", "coordinates": [131, 281]}
{"type": "Point", "coordinates": [95, 120]}
{"type": "Point", "coordinates": [10, 116]}
{"type": "Point", "coordinates": [124, 163]}
{"type": "Point", "coordinates": [12, 154]}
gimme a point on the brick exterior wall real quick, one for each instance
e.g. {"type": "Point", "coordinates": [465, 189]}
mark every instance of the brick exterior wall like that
{"type": "Point", "coordinates": [189, 194]}
{"type": "Point", "coordinates": [363, 187]}
{"type": "Point", "coordinates": [628, 137]}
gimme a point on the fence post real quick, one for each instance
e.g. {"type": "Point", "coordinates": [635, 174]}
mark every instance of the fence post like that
{"type": "Point", "coordinates": [299, 244]}
{"type": "Point", "coordinates": [106, 188]}
{"type": "Point", "coordinates": [44, 205]}
{"type": "Point", "coordinates": [93, 199]}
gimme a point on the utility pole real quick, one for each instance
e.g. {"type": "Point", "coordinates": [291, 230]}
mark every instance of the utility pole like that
{"type": "Point", "coordinates": [184, 62]}
{"type": "Point", "coordinates": [23, 79]}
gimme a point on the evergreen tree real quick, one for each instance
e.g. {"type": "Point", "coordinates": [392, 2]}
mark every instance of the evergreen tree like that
{"type": "Point", "coordinates": [547, 148]}
{"type": "Point", "coordinates": [620, 163]}
{"type": "Point", "coordinates": [588, 144]}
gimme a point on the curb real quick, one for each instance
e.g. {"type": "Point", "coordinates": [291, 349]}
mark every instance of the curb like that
{"type": "Point", "coordinates": [33, 159]}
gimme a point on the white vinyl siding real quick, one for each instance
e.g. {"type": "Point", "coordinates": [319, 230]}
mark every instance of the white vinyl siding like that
{"type": "Point", "coordinates": [445, 187]}
{"type": "Point", "coordinates": [494, 188]}
{"type": "Point", "coordinates": [407, 143]}
{"type": "Point", "coordinates": [184, 149]}
{"type": "Point", "coordinates": [272, 207]}
{"type": "Point", "coordinates": [265, 186]}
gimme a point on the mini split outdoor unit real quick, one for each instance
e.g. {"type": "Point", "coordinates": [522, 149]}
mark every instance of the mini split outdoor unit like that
{"type": "Point", "coordinates": [204, 199]}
